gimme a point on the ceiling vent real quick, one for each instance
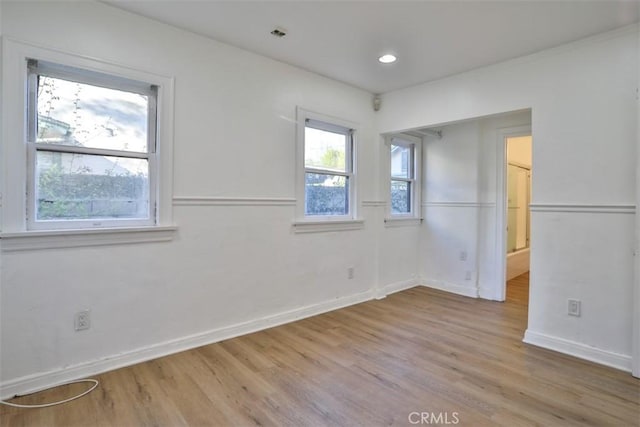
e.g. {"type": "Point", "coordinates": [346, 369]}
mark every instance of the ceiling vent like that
{"type": "Point", "coordinates": [279, 32]}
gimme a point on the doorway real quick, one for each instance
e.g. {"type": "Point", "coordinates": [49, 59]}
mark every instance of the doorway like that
{"type": "Point", "coordinates": [515, 158]}
{"type": "Point", "coordinates": [518, 194]}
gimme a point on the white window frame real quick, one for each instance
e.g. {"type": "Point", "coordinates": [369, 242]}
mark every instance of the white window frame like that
{"type": "Point", "coordinates": [414, 179]}
{"type": "Point", "coordinates": [37, 68]}
{"type": "Point", "coordinates": [18, 153]}
{"type": "Point", "coordinates": [308, 223]}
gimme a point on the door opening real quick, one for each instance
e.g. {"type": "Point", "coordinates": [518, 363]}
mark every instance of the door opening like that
{"type": "Point", "coordinates": [518, 197]}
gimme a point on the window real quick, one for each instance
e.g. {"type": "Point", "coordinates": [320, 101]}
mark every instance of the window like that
{"type": "Point", "coordinates": [404, 174]}
{"type": "Point", "coordinates": [327, 168]}
{"type": "Point", "coordinates": [87, 151]}
{"type": "Point", "coordinates": [327, 173]}
{"type": "Point", "coordinates": [91, 142]}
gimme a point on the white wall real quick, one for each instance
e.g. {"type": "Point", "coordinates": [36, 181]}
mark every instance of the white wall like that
{"type": "Point", "coordinates": [399, 240]}
{"type": "Point", "coordinates": [451, 208]}
{"type": "Point", "coordinates": [398, 256]}
{"type": "Point", "coordinates": [460, 199]}
{"type": "Point", "coordinates": [233, 267]}
{"type": "Point", "coordinates": [583, 105]}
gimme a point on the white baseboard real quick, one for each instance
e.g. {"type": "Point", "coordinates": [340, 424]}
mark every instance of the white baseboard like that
{"type": "Point", "coordinates": [518, 263]}
{"type": "Point", "coordinates": [454, 288]}
{"type": "Point", "coordinates": [40, 381]}
{"type": "Point", "coordinates": [392, 288]}
{"type": "Point", "coordinates": [489, 293]}
{"type": "Point", "coordinates": [579, 350]}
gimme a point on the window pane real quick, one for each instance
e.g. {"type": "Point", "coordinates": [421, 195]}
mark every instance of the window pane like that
{"type": "Point", "coordinates": [323, 149]}
{"type": "Point", "coordinates": [400, 161]}
{"type": "Point", "coordinates": [326, 194]}
{"type": "Point", "coordinates": [400, 197]}
{"type": "Point", "coordinates": [80, 186]}
{"type": "Point", "coordinates": [71, 113]}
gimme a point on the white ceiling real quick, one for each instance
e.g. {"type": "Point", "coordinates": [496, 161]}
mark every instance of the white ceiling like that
{"type": "Point", "coordinates": [432, 39]}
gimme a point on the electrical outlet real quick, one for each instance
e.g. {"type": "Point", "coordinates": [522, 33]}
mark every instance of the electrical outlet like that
{"type": "Point", "coordinates": [350, 272]}
{"type": "Point", "coordinates": [463, 256]}
{"type": "Point", "coordinates": [83, 320]}
{"type": "Point", "coordinates": [574, 307]}
{"type": "Point", "coordinates": [467, 276]}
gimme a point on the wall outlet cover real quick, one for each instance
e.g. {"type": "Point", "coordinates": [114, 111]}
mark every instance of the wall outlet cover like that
{"type": "Point", "coordinates": [574, 307]}
{"type": "Point", "coordinates": [82, 320]}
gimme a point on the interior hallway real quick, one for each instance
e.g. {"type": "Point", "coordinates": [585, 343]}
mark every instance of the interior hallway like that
{"type": "Point", "coordinates": [376, 363]}
{"type": "Point", "coordinates": [518, 293]}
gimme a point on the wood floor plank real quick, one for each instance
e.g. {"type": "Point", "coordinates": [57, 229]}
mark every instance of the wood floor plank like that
{"type": "Point", "coordinates": [419, 351]}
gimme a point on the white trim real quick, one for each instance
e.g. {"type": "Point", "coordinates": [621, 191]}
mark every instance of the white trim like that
{"type": "Point", "coordinates": [582, 208]}
{"type": "Point", "coordinates": [374, 203]}
{"type": "Point", "coordinates": [40, 381]}
{"type": "Point", "coordinates": [392, 288]}
{"type": "Point", "coordinates": [454, 204]}
{"type": "Point", "coordinates": [467, 291]}
{"type": "Point", "coordinates": [106, 80]}
{"type": "Point", "coordinates": [579, 350]}
{"type": "Point", "coordinates": [518, 263]}
{"type": "Point", "coordinates": [327, 225]}
{"type": "Point", "coordinates": [73, 149]}
{"type": "Point", "coordinates": [231, 201]}
{"type": "Point", "coordinates": [635, 329]}
{"type": "Point", "coordinates": [399, 221]}
{"type": "Point", "coordinates": [54, 239]}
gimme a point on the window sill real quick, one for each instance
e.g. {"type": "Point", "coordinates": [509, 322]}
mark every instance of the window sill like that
{"type": "Point", "coordinates": [402, 221]}
{"type": "Point", "coordinates": [54, 239]}
{"type": "Point", "coordinates": [327, 225]}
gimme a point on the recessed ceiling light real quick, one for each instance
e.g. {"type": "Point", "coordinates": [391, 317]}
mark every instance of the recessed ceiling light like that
{"type": "Point", "coordinates": [387, 59]}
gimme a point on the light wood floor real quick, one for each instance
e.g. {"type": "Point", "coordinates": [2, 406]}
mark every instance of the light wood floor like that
{"type": "Point", "coordinates": [373, 364]}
